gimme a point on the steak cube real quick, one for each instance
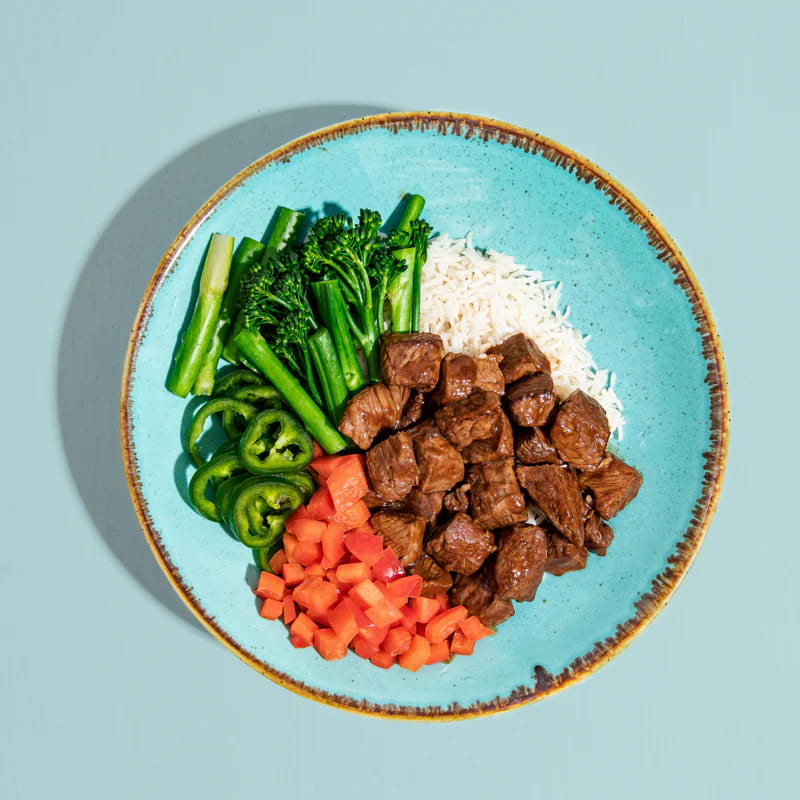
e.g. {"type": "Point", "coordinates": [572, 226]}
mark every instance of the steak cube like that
{"type": "Point", "coordinates": [461, 545]}
{"type": "Point", "coordinates": [392, 467]}
{"type": "Point", "coordinates": [435, 580]}
{"type": "Point", "coordinates": [495, 497]}
{"type": "Point", "coordinates": [457, 500]}
{"type": "Point", "coordinates": [411, 359]}
{"type": "Point", "coordinates": [531, 400]}
{"type": "Point", "coordinates": [597, 535]}
{"type": "Point", "coordinates": [440, 464]}
{"type": "Point", "coordinates": [557, 493]}
{"type": "Point", "coordinates": [563, 556]}
{"type": "Point", "coordinates": [520, 561]}
{"type": "Point", "coordinates": [457, 378]}
{"type": "Point", "coordinates": [580, 431]}
{"type": "Point", "coordinates": [489, 376]}
{"type": "Point", "coordinates": [370, 412]}
{"type": "Point", "coordinates": [424, 504]}
{"type": "Point", "coordinates": [464, 421]}
{"type": "Point", "coordinates": [474, 593]}
{"type": "Point", "coordinates": [499, 445]}
{"type": "Point", "coordinates": [612, 485]}
{"type": "Point", "coordinates": [521, 357]}
{"type": "Point", "coordinates": [532, 447]}
{"type": "Point", "coordinates": [402, 532]}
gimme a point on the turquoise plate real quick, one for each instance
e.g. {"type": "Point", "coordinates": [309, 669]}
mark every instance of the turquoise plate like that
{"type": "Point", "coordinates": [627, 285]}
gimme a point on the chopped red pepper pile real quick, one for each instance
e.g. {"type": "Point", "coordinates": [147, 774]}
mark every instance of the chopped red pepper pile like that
{"type": "Point", "coordinates": [337, 587]}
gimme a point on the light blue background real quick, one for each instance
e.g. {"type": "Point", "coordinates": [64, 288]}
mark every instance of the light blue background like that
{"type": "Point", "coordinates": [116, 125]}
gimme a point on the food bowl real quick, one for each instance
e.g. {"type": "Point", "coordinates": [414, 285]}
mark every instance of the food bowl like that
{"type": "Point", "coordinates": [627, 286]}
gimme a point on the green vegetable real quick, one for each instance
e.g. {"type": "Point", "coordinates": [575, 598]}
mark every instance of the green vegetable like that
{"type": "Point", "coordinates": [215, 406]}
{"type": "Point", "coordinates": [259, 508]}
{"type": "Point", "coordinates": [197, 337]}
{"type": "Point", "coordinates": [414, 205]}
{"type": "Point", "coordinates": [247, 253]}
{"type": "Point", "coordinates": [224, 494]}
{"type": "Point", "coordinates": [329, 370]}
{"type": "Point", "coordinates": [400, 293]}
{"type": "Point", "coordinates": [220, 468]}
{"type": "Point", "coordinates": [275, 441]}
{"type": "Point", "coordinates": [259, 396]}
{"type": "Point", "coordinates": [262, 555]}
{"type": "Point", "coordinates": [233, 380]}
{"type": "Point", "coordinates": [258, 352]}
{"type": "Point", "coordinates": [302, 480]}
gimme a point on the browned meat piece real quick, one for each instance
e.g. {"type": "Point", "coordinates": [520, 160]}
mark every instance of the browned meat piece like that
{"type": "Point", "coordinates": [612, 485]}
{"type": "Point", "coordinates": [499, 445]}
{"type": "Point", "coordinates": [457, 378]}
{"type": "Point", "coordinates": [412, 411]}
{"type": "Point", "coordinates": [440, 464]}
{"type": "Point", "coordinates": [402, 532]}
{"type": "Point", "coordinates": [424, 504]}
{"type": "Point", "coordinates": [457, 500]}
{"type": "Point", "coordinates": [473, 592]}
{"type": "Point", "coordinates": [490, 377]}
{"type": "Point", "coordinates": [464, 421]}
{"type": "Point", "coordinates": [495, 497]}
{"type": "Point", "coordinates": [392, 467]}
{"type": "Point", "coordinates": [374, 500]}
{"type": "Point", "coordinates": [411, 359]}
{"type": "Point", "coordinates": [371, 412]}
{"type": "Point", "coordinates": [531, 401]}
{"type": "Point", "coordinates": [557, 493]}
{"type": "Point", "coordinates": [580, 431]}
{"type": "Point", "coordinates": [597, 535]}
{"type": "Point", "coordinates": [435, 580]}
{"type": "Point", "coordinates": [532, 447]}
{"type": "Point", "coordinates": [562, 555]}
{"type": "Point", "coordinates": [519, 563]}
{"type": "Point", "coordinates": [521, 357]}
{"type": "Point", "coordinates": [461, 545]}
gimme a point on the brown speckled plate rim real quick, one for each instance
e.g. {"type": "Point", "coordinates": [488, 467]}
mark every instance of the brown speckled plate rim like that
{"type": "Point", "coordinates": [649, 604]}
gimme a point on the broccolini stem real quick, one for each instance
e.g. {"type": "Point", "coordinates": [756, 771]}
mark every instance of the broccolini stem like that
{"type": "Point", "coordinates": [247, 253]}
{"type": "Point", "coordinates": [308, 369]}
{"type": "Point", "coordinates": [331, 378]}
{"type": "Point", "coordinates": [197, 337]}
{"type": "Point", "coordinates": [400, 291]}
{"type": "Point", "coordinates": [414, 205]}
{"type": "Point", "coordinates": [259, 353]}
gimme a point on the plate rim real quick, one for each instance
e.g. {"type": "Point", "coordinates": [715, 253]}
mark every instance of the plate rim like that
{"type": "Point", "coordinates": [663, 585]}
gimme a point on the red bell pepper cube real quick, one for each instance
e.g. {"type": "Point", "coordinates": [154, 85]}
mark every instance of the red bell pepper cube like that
{"type": "Point", "coordinates": [383, 614]}
{"type": "Point", "coordinates": [365, 547]}
{"type": "Point", "coordinates": [353, 516]}
{"type": "Point", "coordinates": [320, 506]}
{"type": "Point", "coordinates": [304, 628]}
{"type": "Point", "coordinates": [373, 634]}
{"type": "Point", "coordinates": [348, 482]}
{"type": "Point", "coordinates": [426, 608]}
{"type": "Point", "coordinates": [271, 608]}
{"type": "Point", "coordinates": [307, 553]}
{"type": "Point", "coordinates": [366, 594]}
{"type": "Point", "coordinates": [416, 655]}
{"type": "Point", "coordinates": [277, 561]}
{"type": "Point", "coordinates": [329, 645]}
{"type": "Point", "coordinates": [383, 660]}
{"type": "Point", "coordinates": [461, 645]}
{"type": "Point", "coordinates": [364, 648]}
{"type": "Point", "coordinates": [408, 586]}
{"type": "Point", "coordinates": [299, 641]}
{"type": "Point", "coordinates": [289, 543]}
{"type": "Point", "coordinates": [289, 610]}
{"type": "Point", "coordinates": [316, 594]}
{"type": "Point", "coordinates": [365, 528]}
{"type": "Point", "coordinates": [474, 629]}
{"type": "Point", "coordinates": [343, 621]}
{"type": "Point", "coordinates": [352, 573]}
{"type": "Point", "coordinates": [309, 530]}
{"type": "Point", "coordinates": [270, 585]}
{"type": "Point", "coordinates": [333, 543]}
{"type": "Point", "coordinates": [293, 573]}
{"type": "Point", "coordinates": [439, 652]}
{"type": "Point", "coordinates": [444, 623]}
{"type": "Point", "coordinates": [387, 568]}
{"type": "Point", "coordinates": [397, 641]}
{"type": "Point", "coordinates": [409, 621]}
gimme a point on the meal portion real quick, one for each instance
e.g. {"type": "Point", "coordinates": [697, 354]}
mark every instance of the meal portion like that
{"type": "Point", "coordinates": [398, 494]}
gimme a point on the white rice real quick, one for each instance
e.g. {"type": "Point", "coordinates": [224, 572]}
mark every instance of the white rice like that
{"type": "Point", "coordinates": [474, 300]}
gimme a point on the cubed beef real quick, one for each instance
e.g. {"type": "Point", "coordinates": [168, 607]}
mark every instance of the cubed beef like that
{"type": "Point", "coordinates": [402, 532]}
{"type": "Point", "coordinates": [580, 431]}
{"type": "Point", "coordinates": [612, 485]}
{"type": "Point", "coordinates": [370, 412]}
{"type": "Point", "coordinates": [411, 359]}
{"type": "Point", "coordinates": [519, 562]}
{"type": "Point", "coordinates": [495, 497]}
{"type": "Point", "coordinates": [533, 447]}
{"type": "Point", "coordinates": [562, 555]}
{"type": "Point", "coordinates": [464, 421]}
{"type": "Point", "coordinates": [499, 445]}
{"type": "Point", "coordinates": [461, 545]}
{"type": "Point", "coordinates": [597, 535]}
{"type": "Point", "coordinates": [557, 493]}
{"type": "Point", "coordinates": [457, 500]}
{"type": "Point", "coordinates": [412, 410]}
{"type": "Point", "coordinates": [521, 357]}
{"type": "Point", "coordinates": [392, 467]}
{"type": "Point", "coordinates": [531, 400]}
{"type": "Point", "coordinates": [474, 593]}
{"type": "Point", "coordinates": [424, 504]}
{"type": "Point", "coordinates": [440, 464]}
{"type": "Point", "coordinates": [490, 376]}
{"type": "Point", "coordinates": [456, 379]}
{"type": "Point", "coordinates": [374, 500]}
{"type": "Point", "coordinates": [435, 580]}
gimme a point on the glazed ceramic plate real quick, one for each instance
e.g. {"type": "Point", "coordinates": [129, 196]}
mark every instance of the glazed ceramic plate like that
{"type": "Point", "coordinates": [627, 286]}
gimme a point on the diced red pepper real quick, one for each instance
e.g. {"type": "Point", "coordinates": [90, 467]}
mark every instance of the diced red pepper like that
{"type": "Point", "coordinates": [353, 516]}
{"type": "Point", "coordinates": [416, 655]}
{"type": "Point", "coordinates": [270, 585]}
{"type": "Point", "coordinates": [383, 614]}
{"type": "Point", "coordinates": [408, 586]}
{"type": "Point", "coordinates": [348, 482]}
{"type": "Point", "coordinates": [358, 613]}
{"type": "Point", "coordinates": [309, 530]}
{"type": "Point", "coordinates": [343, 621]}
{"type": "Point", "coordinates": [397, 641]}
{"type": "Point", "coordinates": [320, 616]}
{"type": "Point", "coordinates": [366, 593]}
{"type": "Point", "coordinates": [365, 547]}
{"type": "Point", "coordinates": [329, 645]}
{"type": "Point", "coordinates": [474, 629]}
{"type": "Point", "coordinates": [271, 608]}
{"type": "Point", "coordinates": [365, 528]}
{"type": "Point", "coordinates": [289, 543]}
{"type": "Point", "coordinates": [315, 571]}
{"type": "Point", "coordinates": [373, 634]}
{"type": "Point", "coordinates": [307, 553]}
{"type": "Point", "coordinates": [409, 621]}
{"type": "Point", "coordinates": [293, 573]}
{"type": "Point", "coordinates": [461, 645]}
{"type": "Point", "coordinates": [383, 660]}
{"type": "Point", "coordinates": [289, 610]}
{"type": "Point", "coordinates": [444, 623]}
{"type": "Point", "coordinates": [277, 561]}
{"type": "Point", "coordinates": [299, 641]}
{"type": "Point", "coordinates": [426, 608]}
{"type": "Point", "coordinates": [333, 543]}
{"type": "Point", "coordinates": [439, 652]}
{"type": "Point", "coordinates": [364, 648]}
{"type": "Point", "coordinates": [387, 567]}
{"type": "Point", "coordinates": [304, 628]}
{"type": "Point", "coordinates": [320, 506]}
{"type": "Point", "coordinates": [316, 594]}
{"type": "Point", "coordinates": [352, 573]}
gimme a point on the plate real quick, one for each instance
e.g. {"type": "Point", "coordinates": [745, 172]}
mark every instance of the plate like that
{"type": "Point", "coordinates": [627, 286]}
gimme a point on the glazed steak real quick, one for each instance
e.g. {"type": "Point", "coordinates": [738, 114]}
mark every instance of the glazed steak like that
{"type": "Point", "coordinates": [612, 485]}
{"type": "Point", "coordinates": [489, 376]}
{"type": "Point", "coordinates": [532, 447]}
{"type": "Point", "coordinates": [457, 378]}
{"type": "Point", "coordinates": [521, 357]}
{"type": "Point", "coordinates": [597, 535]}
{"type": "Point", "coordinates": [392, 467]}
{"type": "Point", "coordinates": [520, 561]}
{"type": "Point", "coordinates": [457, 500]}
{"type": "Point", "coordinates": [495, 496]}
{"type": "Point", "coordinates": [435, 580]}
{"type": "Point", "coordinates": [474, 593]}
{"type": "Point", "coordinates": [531, 400]}
{"type": "Point", "coordinates": [499, 445]}
{"type": "Point", "coordinates": [580, 431]}
{"type": "Point", "coordinates": [557, 493]}
{"type": "Point", "coordinates": [461, 545]}
{"type": "Point", "coordinates": [563, 556]}
{"type": "Point", "coordinates": [370, 412]}
{"type": "Point", "coordinates": [411, 359]}
{"type": "Point", "coordinates": [402, 532]}
{"type": "Point", "coordinates": [465, 421]}
{"type": "Point", "coordinates": [440, 464]}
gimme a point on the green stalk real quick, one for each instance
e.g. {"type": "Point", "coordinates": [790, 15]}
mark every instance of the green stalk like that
{"type": "Point", "coordinates": [259, 353]}
{"type": "Point", "coordinates": [197, 337]}
{"type": "Point", "coordinates": [414, 205]}
{"type": "Point", "coordinates": [331, 378]}
{"type": "Point", "coordinates": [331, 306]}
{"type": "Point", "coordinates": [247, 253]}
{"type": "Point", "coordinates": [416, 289]}
{"type": "Point", "coordinates": [400, 293]}
{"type": "Point", "coordinates": [282, 234]}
